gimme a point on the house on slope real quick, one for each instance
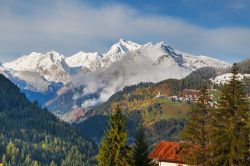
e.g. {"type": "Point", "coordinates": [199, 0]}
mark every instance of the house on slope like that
{"type": "Point", "coordinates": [168, 154]}
{"type": "Point", "coordinates": [190, 94]}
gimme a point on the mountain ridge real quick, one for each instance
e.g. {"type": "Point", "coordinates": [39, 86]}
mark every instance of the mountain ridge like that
{"type": "Point", "coordinates": [41, 63]}
{"type": "Point", "coordinates": [94, 77]}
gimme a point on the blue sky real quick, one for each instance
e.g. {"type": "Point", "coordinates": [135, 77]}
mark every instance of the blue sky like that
{"type": "Point", "coordinates": [208, 13]}
{"type": "Point", "coordinates": [217, 28]}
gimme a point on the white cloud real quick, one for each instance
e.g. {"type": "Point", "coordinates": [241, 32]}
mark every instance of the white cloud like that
{"type": "Point", "coordinates": [90, 103]}
{"type": "Point", "coordinates": [123, 73]}
{"type": "Point", "coordinates": [69, 27]}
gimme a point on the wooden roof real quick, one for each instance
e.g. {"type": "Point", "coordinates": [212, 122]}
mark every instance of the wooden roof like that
{"type": "Point", "coordinates": [167, 151]}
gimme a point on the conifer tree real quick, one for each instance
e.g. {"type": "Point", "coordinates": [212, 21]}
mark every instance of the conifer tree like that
{"type": "Point", "coordinates": [74, 157]}
{"type": "Point", "coordinates": [27, 161]}
{"type": "Point", "coordinates": [230, 131]}
{"type": "Point", "coordinates": [4, 160]}
{"type": "Point", "coordinates": [35, 163]}
{"type": "Point", "coordinates": [141, 150]}
{"type": "Point", "coordinates": [52, 163]}
{"type": "Point", "coordinates": [113, 148]}
{"type": "Point", "coordinates": [196, 134]}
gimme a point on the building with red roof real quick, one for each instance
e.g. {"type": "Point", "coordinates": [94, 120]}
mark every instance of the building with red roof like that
{"type": "Point", "coordinates": [168, 154]}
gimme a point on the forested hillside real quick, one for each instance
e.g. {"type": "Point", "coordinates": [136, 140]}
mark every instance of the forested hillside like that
{"type": "Point", "coordinates": [30, 135]}
{"type": "Point", "coordinates": [163, 119]}
{"type": "Point", "coordinates": [167, 87]}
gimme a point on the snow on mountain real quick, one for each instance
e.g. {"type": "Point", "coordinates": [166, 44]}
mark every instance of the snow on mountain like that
{"type": "Point", "coordinates": [51, 66]}
{"type": "Point", "coordinates": [87, 60]}
{"type": "Point", "coordinates": [224, 78]}
{"type": "Point", "coordinates": [146, 63]}
{"type": "Point", "coordinates": [95, 77]}
{"type": "Point", "coordinates": [157, 54]}
{"type": "Point", "coordinates": [29, 80]}
{"type": "Point", "coordinates": [117, 51]}
{"type": "Point", "coordinates": [201, 61]}
{"type": "Point", "coordinates": [162, 53]}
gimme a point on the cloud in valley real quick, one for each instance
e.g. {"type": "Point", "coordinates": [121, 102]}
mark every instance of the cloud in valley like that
{"type": "Point", "coordinates": [130, 70]}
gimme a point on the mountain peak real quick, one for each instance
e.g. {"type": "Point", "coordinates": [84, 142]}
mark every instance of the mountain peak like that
{"type": "Point", "coordinates": [90, 60]}
{"type": "Point", "coordinates": [121, 41]}
{"type": "Point", "coordinates": [51, 65]}
{"type": "Point", "coordinates": [123, 46]}
{"type": "Point", "coordinates": [53, 52]}
{"type": "Point", "coordinates": [165, 46]}
{"type": "Point", "coordinates": [118, 50]}
{"type": "Point", "coordinates": [38, 56]}
{"type": "Point", "coordinates": [54, 56]}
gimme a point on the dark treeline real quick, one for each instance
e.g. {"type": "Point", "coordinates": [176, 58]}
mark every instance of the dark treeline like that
{"type": "Point", "coordinates": [30, 135]}
{"type": "Point", "coordinates": [167, 129]}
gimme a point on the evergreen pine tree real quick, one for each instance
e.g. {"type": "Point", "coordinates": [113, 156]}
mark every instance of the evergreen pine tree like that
{"type": "Point", "coordinates": [141, 150]}
{"type": "Point", "coordinates": [52, 163]}
{"type": "Point", "coordinates": [74, 157]}
{"type": "Point", "coordinates": [4, 160]}
{"type": "Point", "coordinates": [27, 161]}
{"type": "Point", "coordinates": [35, 163]}
{"type": "Point", "coordinates": [196, 134]}
{"type": "Point", "coordinates": [230, 131]}
{"type": "Point", "coordinates": [113, 148]}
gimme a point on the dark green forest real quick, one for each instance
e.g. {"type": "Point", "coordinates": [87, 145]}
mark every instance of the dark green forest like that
{"type": "Point", "coordinates": [30, 135]}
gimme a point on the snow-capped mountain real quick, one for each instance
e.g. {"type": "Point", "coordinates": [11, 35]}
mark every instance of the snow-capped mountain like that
{"type": "Point", "coordinates": [89, 60]}
{"type": "Point", "coordinates": [117, 51]}
{"type": "Point", "coordinates": [54, 67]}
{"type": "Point", "coordinates": [94, 77]}
{"type": "Point", "coordinates": [147, 63]}
{"type": "Point", "coordinates": [201, 61]}
{"type": "Point", "coordinates": [51, 66]}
